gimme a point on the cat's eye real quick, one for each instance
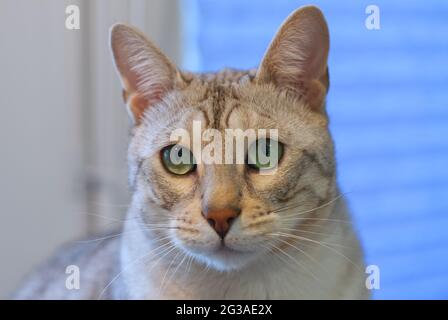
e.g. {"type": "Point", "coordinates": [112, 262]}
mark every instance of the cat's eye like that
{"type": "Point", "coordinates": [264, 154]}
{"type": "Point", "coordinates": [178, 159]}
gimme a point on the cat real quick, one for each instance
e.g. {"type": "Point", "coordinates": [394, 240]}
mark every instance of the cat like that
{"type": "Point", "coordinates": [223, 231]}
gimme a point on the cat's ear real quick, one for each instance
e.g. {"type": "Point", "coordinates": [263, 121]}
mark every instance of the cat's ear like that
{"type": "Point", "coordinates": [147, 75]}
{"type": "Point", "coordinates": [297, 57]}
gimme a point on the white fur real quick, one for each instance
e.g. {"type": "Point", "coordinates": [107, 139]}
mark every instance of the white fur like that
{"type": "Point", "coordinates": [267, 277]}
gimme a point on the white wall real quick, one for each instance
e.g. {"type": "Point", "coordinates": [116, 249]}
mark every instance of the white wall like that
{"type": "Point", "coordinates": [63, 127]}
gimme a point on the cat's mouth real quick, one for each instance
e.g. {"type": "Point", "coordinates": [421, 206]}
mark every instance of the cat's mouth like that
{"type": "Point", "coordinates": [226, 250]}
{"type": "Point", "coordinates": [224, 256]}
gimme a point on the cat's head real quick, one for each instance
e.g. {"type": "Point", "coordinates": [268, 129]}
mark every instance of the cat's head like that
{"type": "Point", "coordinates": [227, 215]}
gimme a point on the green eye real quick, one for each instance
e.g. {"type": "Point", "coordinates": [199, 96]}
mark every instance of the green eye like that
{"type": "Point", "coordinates": [178, 159]}
{"type": "Point", "coordinates": [264, 154]}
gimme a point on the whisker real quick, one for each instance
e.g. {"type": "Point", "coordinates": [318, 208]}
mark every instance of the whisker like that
{"type": "Point", "coordinates": [309, 256]}
{"type": "Point", "coordinates": [115, 220]}
{"type": "Point", "coordinates": [288, 206]}
{"type": "Point", "coordinates": [173, 247]}
{"type": "Point", "coordinates": [177, 268]}
{"type": "Point", "coordinates": [311, 240]}
{"type": "Point", "coordinates": [311, 232]}
{"type": "Point", "coordinates": [323, 244]}
{"type": "Point", "coordinates": [297, 262]}
{"type": "Point", "coordinates": [167, 270]}
{"type": "Point", "coordinates": [298, 249]}
{"type": "Point", "coordinates": [316, 219]}
{"type": "Point", "coordinates": [121, 233]}
{"type": "Point", "coordinates": [100, 216]}
{"type": "Point", "coordinates": [189, 263]}
{"type": "Point", "coordinates": [311, 210]}
{"type": "Point", "coordinates": [130, 265]}
{"type": "Point", "coordinates": [271, 249]}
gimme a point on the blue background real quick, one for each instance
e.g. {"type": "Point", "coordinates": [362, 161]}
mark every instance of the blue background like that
{"type": "Point", "coordinates": [389, 117]}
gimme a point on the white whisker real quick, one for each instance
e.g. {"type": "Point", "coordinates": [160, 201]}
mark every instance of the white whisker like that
{"type": "Point", "coordinates": [323, 244]}
{"type": "Point", "coordinates": [130, 265]}
{"type": "Point", "coordinates": [314, 209]}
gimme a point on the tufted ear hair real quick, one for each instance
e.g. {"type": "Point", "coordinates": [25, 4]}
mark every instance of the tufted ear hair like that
{"type": "Point", "coordinates": [297, 57]}
{"type": "Point", "coordinates": [147, 75]}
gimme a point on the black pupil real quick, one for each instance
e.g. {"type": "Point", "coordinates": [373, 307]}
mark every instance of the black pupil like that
{"type": "Point", "coordinates": [267, 147]}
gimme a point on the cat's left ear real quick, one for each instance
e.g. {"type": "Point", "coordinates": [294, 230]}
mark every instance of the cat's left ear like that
{"type": "Point", "coordinates": [147, 75]}
{"type": "Point", "coordinates": [296, 59]}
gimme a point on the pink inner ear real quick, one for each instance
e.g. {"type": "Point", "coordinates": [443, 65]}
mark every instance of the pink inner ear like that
{"type": "Point", "coordinates": [156, 94]}
{"type": "Point", "coordinates": [138, 103]}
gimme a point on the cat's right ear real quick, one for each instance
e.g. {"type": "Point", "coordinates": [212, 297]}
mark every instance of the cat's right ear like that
{"type": "Point", "coordinates": [147, 75]}
{"type": "Point", "coordinates": [296, 60]}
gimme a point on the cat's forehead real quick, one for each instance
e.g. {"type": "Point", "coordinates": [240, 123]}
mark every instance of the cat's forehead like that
{"type": "Point", "coordinates": [224, 78]}
{"type": "Point", "coordinates": [233, 98]}
{"type": "Point", "coordinates": [215, 96]}
{"type": "Point", "coordinates": [229, 99]}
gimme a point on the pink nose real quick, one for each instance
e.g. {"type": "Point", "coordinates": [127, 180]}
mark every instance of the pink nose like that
{"type": "Point", "coordinates": [221, 219]}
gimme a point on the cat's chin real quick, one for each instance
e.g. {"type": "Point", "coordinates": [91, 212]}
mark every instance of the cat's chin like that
{"type": "Point", "coordinates": [225, 259]}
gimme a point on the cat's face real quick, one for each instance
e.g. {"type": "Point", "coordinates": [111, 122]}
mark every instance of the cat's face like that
{"type": "Point", "coordinates": [228, 214]}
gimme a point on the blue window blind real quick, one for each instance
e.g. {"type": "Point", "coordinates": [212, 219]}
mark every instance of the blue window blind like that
{"type": "Point", "coordinates": [389, 118]}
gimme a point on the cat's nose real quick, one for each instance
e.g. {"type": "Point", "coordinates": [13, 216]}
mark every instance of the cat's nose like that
{"type": "Point", "coordinates": [221, 219]}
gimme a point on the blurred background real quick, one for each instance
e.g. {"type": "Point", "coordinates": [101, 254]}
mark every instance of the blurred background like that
{"type": "Point", "coordinates": [64, 128]}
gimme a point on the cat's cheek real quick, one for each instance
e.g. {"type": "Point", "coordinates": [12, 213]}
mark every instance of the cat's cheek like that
{"type": "Point", "coordinates": [199, 241]}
